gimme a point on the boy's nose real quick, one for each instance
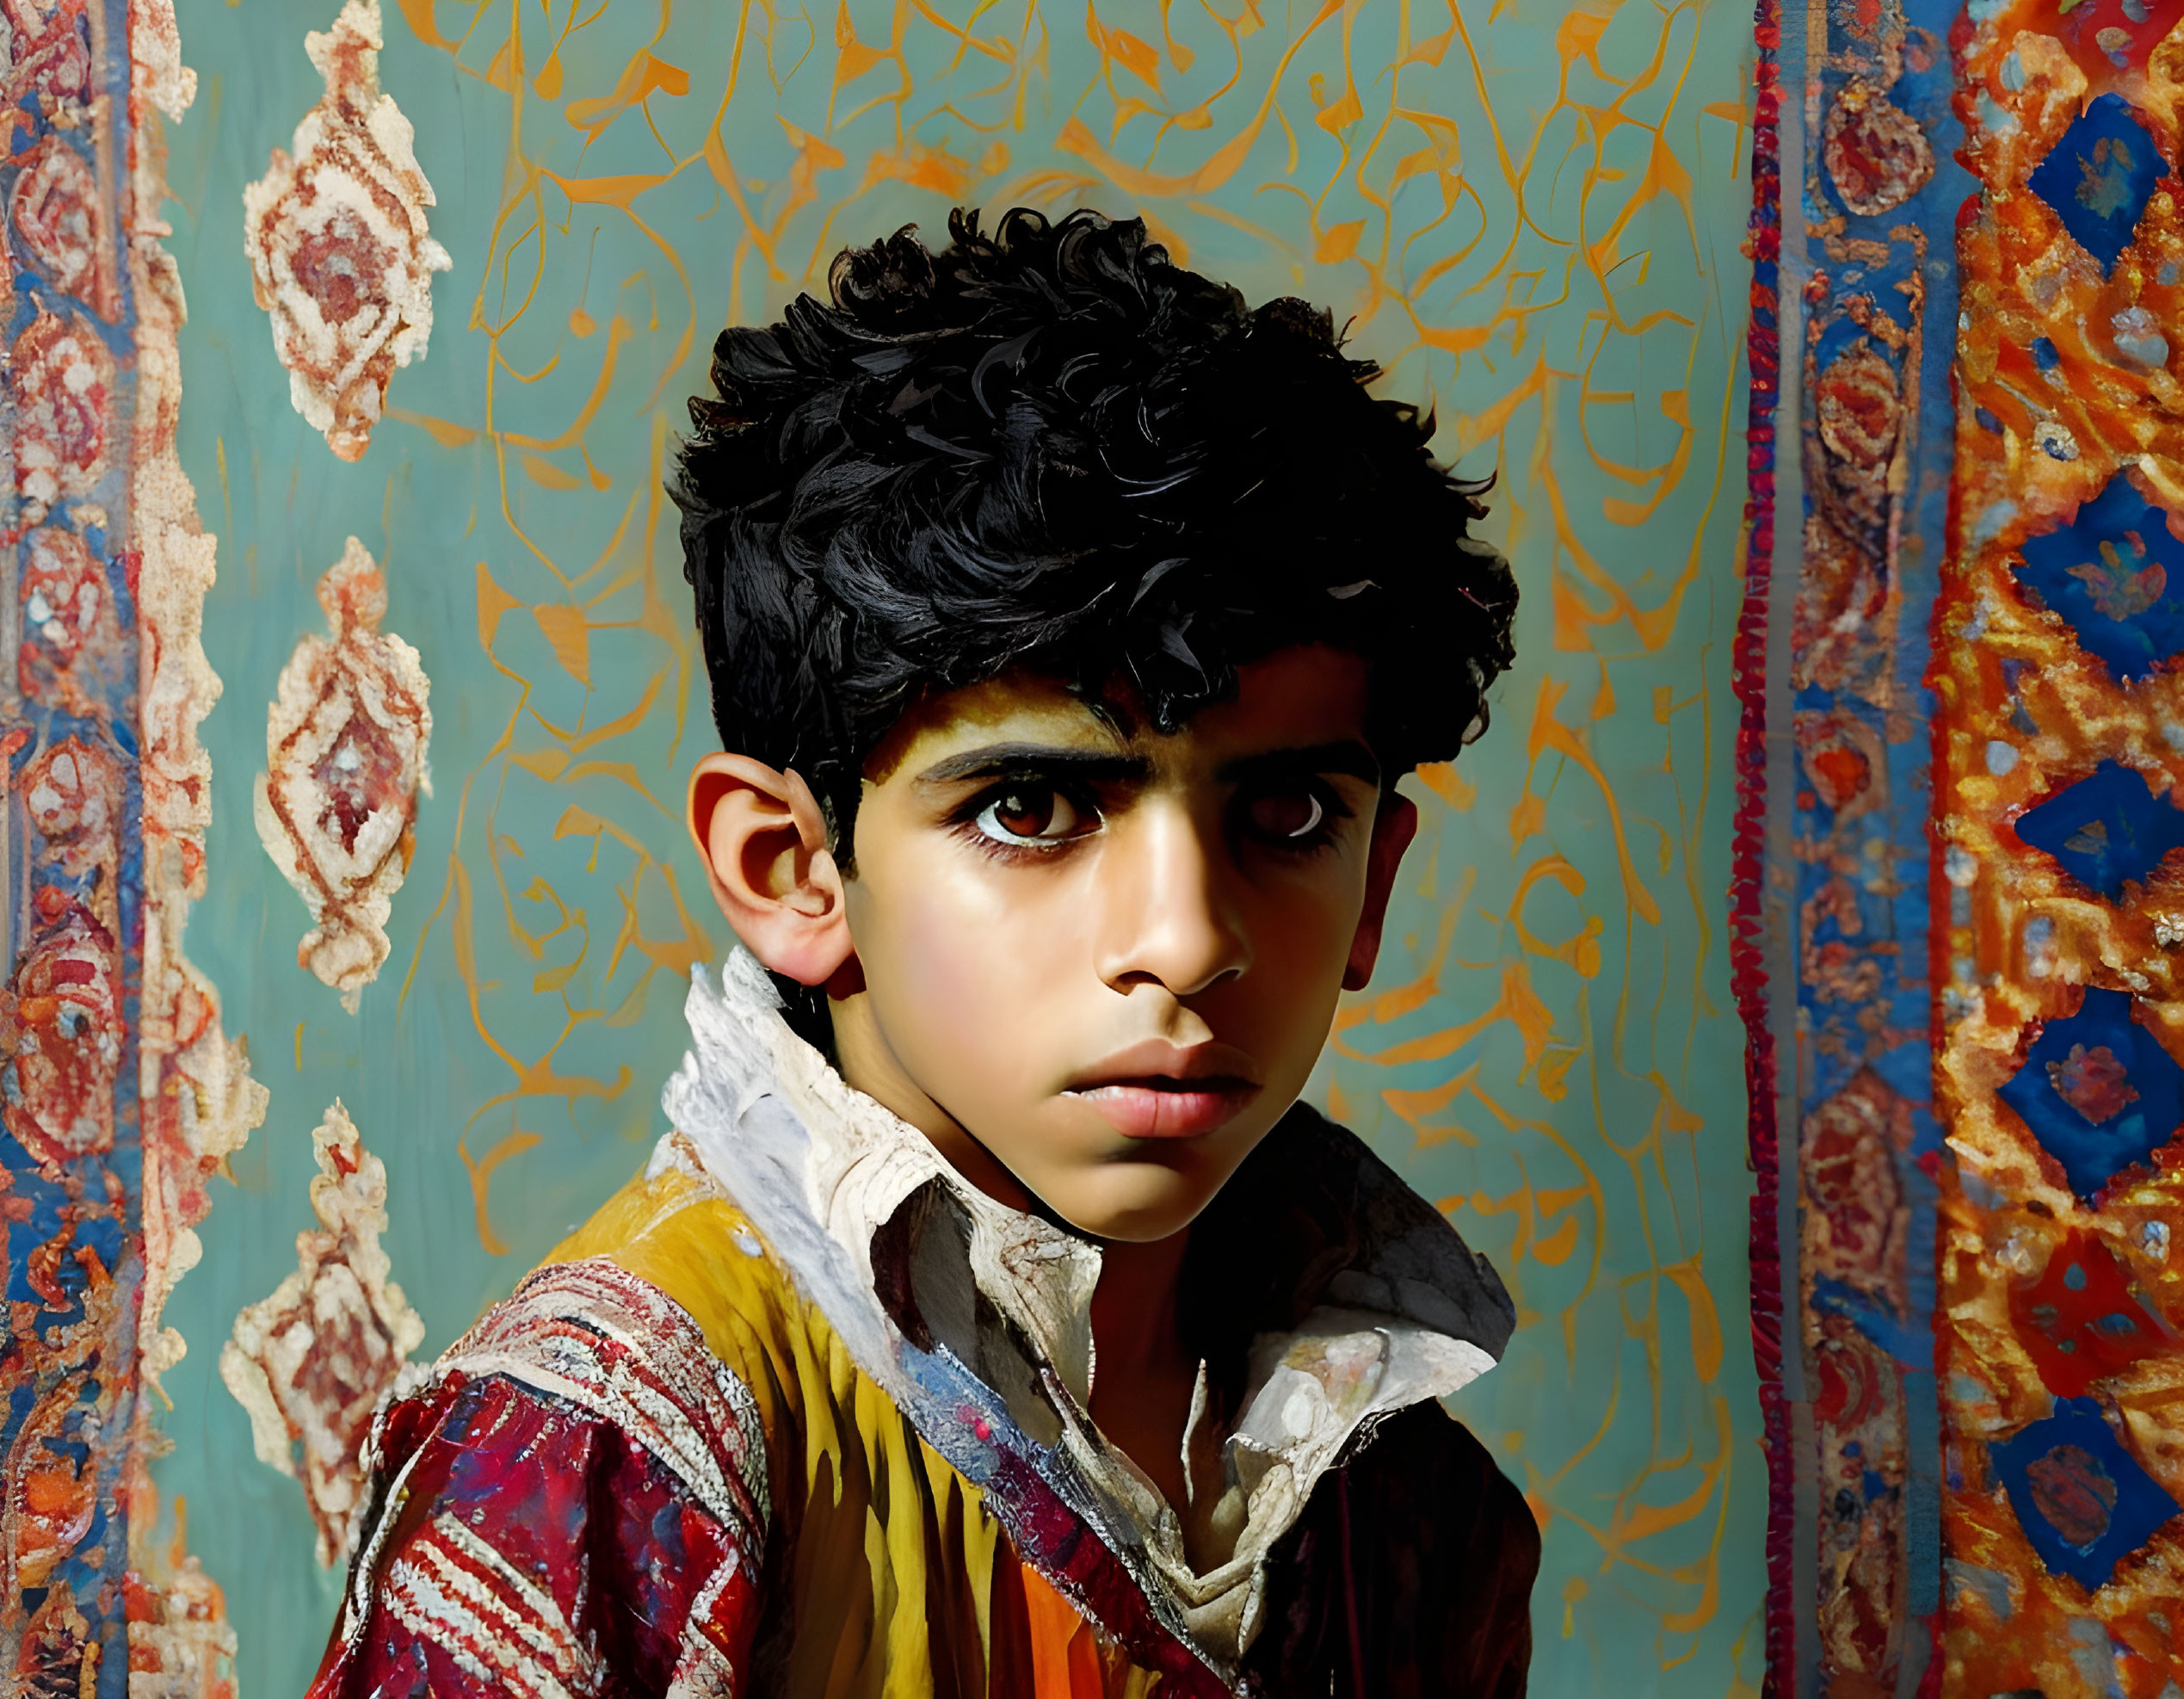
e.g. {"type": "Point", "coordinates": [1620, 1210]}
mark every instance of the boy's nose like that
{"type": "Point", "coordinates": [1169, 915]}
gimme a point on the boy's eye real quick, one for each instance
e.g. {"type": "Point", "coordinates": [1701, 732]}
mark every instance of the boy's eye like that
{"type": "Point", "coordinates": [1286, 815]}
{"type": "Point", "coordinates": [1033, 815]}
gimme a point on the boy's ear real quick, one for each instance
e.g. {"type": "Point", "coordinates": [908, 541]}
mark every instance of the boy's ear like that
{"type": "Point", "coordinates": [1394, 825]}
{"type": "Point", "coordinates": [764, 842]}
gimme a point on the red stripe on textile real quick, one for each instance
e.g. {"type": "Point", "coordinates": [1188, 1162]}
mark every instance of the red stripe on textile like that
{"type": "Point", "coordinates": [1748, 967]}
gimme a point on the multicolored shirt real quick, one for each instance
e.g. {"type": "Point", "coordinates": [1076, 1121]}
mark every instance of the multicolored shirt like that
{"type": "Point", "coordinates": [800, 1412]}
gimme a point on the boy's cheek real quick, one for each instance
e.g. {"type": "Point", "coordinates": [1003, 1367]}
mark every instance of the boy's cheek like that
{"type": "Point", "coordinates": [964, 984]}
{"type": "Point", "coordinates": [968, 942]}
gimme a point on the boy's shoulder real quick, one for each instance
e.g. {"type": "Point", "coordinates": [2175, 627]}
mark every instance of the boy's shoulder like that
{"type": "Point", "coordinates": [700, 1283]}
{"type": "Point", "coordinates": [661, 1322]}
{"type": "Point", "coordinates": [662, 1317]}
{"type": "Point", "coordinates": [501, 1482]}
{"type": "Point", "coordinates": [611, 1344]}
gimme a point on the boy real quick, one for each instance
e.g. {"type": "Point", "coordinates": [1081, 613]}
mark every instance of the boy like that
{"type": "Point", "coordinates": [996, 1321]}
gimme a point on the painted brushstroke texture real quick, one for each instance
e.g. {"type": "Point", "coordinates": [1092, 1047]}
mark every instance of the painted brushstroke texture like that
{"type": "Point", "coordinates": [2061, 1363]}
{"type": "Point", "coordinates": [345, 747]}
{"type": "Point", "coordinates": [122, 1093]}
{"type": "Point", "coordinates": [1531, 215]}
{"type": "Point", "coordinates": [1857, 1479]}
{"type": "Point", "coordinates": [339, 256]}
{"type": "Point", "coordinates": [310, 1360]}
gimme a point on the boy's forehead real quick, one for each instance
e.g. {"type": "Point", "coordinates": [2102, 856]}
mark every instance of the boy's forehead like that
{"type": "Point", "coordinates": [1305, 695]}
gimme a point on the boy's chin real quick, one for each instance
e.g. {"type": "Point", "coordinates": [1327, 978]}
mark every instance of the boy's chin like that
{"type": "Point", "coordinates": [1129, 1203]}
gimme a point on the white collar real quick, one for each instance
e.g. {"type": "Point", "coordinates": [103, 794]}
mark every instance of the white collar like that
{"type": "Point", "coordinates": [824, 1172]}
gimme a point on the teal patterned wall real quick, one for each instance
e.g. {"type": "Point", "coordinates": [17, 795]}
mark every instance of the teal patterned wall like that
{"type": "Point", "coordinates": [1533, 218]}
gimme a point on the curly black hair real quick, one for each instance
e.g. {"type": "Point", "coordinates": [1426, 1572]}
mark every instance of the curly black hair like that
{"type": "Point", "coordinates": [1050, 448]}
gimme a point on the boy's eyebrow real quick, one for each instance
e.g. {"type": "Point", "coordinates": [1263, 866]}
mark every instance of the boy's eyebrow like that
{"type": "Point", "coordinates": [1345, 755]}
{"type": "Point", "coordinates": [994, 761]}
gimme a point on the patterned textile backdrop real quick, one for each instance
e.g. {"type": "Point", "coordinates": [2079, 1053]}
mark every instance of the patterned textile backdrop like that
{"type": "Point", "coordinates": [462, 619]}
{"type": "Point", "coordinates": [1972, 797]}
{"type": "Point", "coordinates": [1867, 300]}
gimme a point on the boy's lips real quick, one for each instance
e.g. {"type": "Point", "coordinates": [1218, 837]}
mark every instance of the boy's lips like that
{"type": "Point", "coordinates": [1157, 1089]}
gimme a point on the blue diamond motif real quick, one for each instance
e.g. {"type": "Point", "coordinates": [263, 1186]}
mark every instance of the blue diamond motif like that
{"type": "Point", "coordinates": [2107, 828]}
{"type": "Point", "coordinates": [2098, 1092]}
{"type": "Point", "coordinates": [2099, 178]}
{"type": "Point", "coordinates": [2116, 573]}
{"type": "Point", "coordinates": [2082, 1500]}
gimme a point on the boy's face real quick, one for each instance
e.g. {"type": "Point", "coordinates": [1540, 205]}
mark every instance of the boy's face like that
{"type": "Point", "coordinates": [1110, 957]}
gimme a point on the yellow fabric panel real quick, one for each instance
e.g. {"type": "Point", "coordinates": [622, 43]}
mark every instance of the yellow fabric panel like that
{"type": "Point", "coordinates": [968, 1531]}
{"type": "Point", "coordinates": [831, 1584]}
{"type": "Point", "coordinates": [902, 1584]}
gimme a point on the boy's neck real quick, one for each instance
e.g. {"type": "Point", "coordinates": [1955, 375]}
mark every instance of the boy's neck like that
{"type": "Point", "coordinates": [1144, 1374]}
{"type": "Point", "coordinates": [1136, 1330]}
